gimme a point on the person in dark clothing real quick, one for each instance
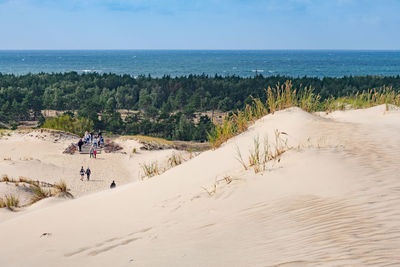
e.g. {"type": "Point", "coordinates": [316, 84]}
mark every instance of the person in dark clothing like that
{"type": "Point", "coordinates": [113, 185]}
{"type": "Point", "coordinates": [88, 172]}
{"type": "Point", "coordinates": [82, 172]}
{"type": "Point", "coordinates": [80, 144]}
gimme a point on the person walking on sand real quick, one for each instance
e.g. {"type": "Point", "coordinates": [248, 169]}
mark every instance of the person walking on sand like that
{"type": "Point", "coordinates": [88, 172]}
{"type": "Point", "coordinates": [80, 144]}
{"type": "Point", "coordinates": [113, 185]}
{"type": "Point", "coordinates": [91, 151]}
{"type": "Point", "coordinates": [82, 172]}
{"type": "Point", "coordinates": [94, 153]}
{"type": "Point", "coordinates": [95, 142]}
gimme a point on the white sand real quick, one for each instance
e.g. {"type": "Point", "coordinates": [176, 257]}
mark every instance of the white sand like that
{"type": "Point", "coordinates": [332, 203]}
{"type": "Point", "coordinates": [35, 156]}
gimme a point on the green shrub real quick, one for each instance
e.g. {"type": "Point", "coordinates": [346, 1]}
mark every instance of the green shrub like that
{"type": "Point", "coordinates": [69, 124]}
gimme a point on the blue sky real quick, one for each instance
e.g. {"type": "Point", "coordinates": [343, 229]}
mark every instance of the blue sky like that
{"type": "Point", "coordinates": [200, 24]}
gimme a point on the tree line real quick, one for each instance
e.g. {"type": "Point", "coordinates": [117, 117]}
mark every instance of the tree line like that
{"type": "Point", "coordinates": [164, 107]}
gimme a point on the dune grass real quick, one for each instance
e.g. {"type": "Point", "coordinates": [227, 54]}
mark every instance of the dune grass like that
{"type": "Point", "coordinates": [174, 160]}
{"type": "Point", "coordinates": [278, 98]}
{"type": "Point", "coordinates": [61, 186]}
{"type": "Point", "coordinates": [150, 169]}
{"type": "Point", "coordinates": [283, 96]}
{"type": "Point", "coordinates": [40, 190]}
{"type": "Point", "coordinates": [262, 153]}
{"type": "Point", "coordinates": [365, 99]}
{"type": "Point", "coordinates": [11, 202]}
{"type": "Point", "coordinates": [39, 193]}
{"type": "Point", "coordinates": [62, 189]}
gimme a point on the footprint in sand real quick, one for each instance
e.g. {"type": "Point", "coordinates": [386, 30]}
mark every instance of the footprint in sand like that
{"type": "Point", "coordinates": [105, 245]}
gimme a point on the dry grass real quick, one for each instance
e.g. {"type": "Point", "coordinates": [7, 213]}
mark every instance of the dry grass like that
{"type": "Point", "coordinates": [261, 154]}
{"type": "Point", "coordinates": [7, 179]}
{"type": "Point", "coordinates": [175, 160]}
{"type": "Point", "coordinates": [61, 186]}
{"type": "Point", "coordinates": [150, 169]}
{"type": "Point", "coordinates": [39, 193]}
{"type": "Point", "coordinates": [11, 202]}
{"type": "Point", "coordinates": [240, 158]}
{"type": "Point", "coordinates": [62, 189]}
{"type": "Point", "coordinates": [40, 190]}
{"type": "Point", "coordinates": [278, 98]}
{"type": "Point", "coordinates": [228, 179]}
{"type": "Point", "coordinates": [365, 99]}
{"type": "Point", "coordinates": [212, 191]}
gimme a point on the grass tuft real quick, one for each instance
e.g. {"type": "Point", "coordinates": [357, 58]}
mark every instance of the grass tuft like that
{"type": "Point", "coordinates": [150, 169]}
{"type": "Point", "coordinates": [11, 202]}
{"type": "Point", "coordinates": [61, 186]}
{"type": "Point", "coordinates": [260, 155]}
{"type": "Point", "coordinates": [39, 193]}
{"type": "Point", "coordinates": [174, 160]}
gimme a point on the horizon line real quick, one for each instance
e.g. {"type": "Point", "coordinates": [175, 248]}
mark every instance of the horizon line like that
{"type": "Point", "coordinates": [206, 49]}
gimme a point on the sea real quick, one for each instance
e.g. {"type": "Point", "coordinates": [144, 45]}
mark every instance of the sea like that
{"type": "Point", "coordinates": [244, 63]}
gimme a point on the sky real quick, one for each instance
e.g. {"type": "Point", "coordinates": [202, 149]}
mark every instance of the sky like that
{"type": "Point", "coordinates": [200, 24]}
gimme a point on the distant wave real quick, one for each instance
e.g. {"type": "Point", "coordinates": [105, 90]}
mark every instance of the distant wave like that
{"type": "Point", "coordinates": [178, 63]}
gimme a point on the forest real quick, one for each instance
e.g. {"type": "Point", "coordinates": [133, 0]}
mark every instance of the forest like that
{"type": "Point", "coordinates": [168, 107]}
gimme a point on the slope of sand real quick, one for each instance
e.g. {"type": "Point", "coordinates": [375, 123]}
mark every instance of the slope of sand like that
{"type": "Point", "coordinates": [332, 201]}
{"type": "Point", "coordinates": [38, 156]}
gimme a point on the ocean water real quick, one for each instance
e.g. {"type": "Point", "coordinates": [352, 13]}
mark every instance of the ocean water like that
{"type": "Point", "coordinates": [245, 63]}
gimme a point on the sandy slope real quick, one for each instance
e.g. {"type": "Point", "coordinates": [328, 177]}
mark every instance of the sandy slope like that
{"type": "Point", "coordinates": [37, 156]}
{"type": "Point", "coordinates": [333, 203]}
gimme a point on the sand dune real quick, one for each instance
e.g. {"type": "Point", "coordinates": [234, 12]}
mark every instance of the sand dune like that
{"type": "Point", "coordinates": [332, 200]}
{"type": "Point", "coordinates": [37, 156]}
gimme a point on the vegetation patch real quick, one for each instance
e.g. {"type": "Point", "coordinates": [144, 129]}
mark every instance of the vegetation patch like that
{"type": "Point", "coordinates": [285, 96]}
{"type": "Point", "coordinates": [70, 124]}
{"type": "Point", "coordinates": [262, 153]}
{"type": "Point", "coordinates": [40, 190]}
{"type": "Point", "coordinates": [11, 202]}
{"type": "Point", "coordinates": [150, 169]}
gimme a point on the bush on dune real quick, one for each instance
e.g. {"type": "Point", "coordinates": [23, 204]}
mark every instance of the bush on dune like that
{"type": "Point", "coordinates": [69, 124]}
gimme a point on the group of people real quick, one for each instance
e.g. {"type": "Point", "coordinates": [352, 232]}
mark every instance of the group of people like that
{"type": "Point", "coordinates": [95, 141]}
{"type": "Point", "coordinates": [88, 172]}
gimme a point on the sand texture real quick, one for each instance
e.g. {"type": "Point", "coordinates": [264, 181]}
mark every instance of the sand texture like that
{"type": "Point", "coordinates": [332, 199]}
